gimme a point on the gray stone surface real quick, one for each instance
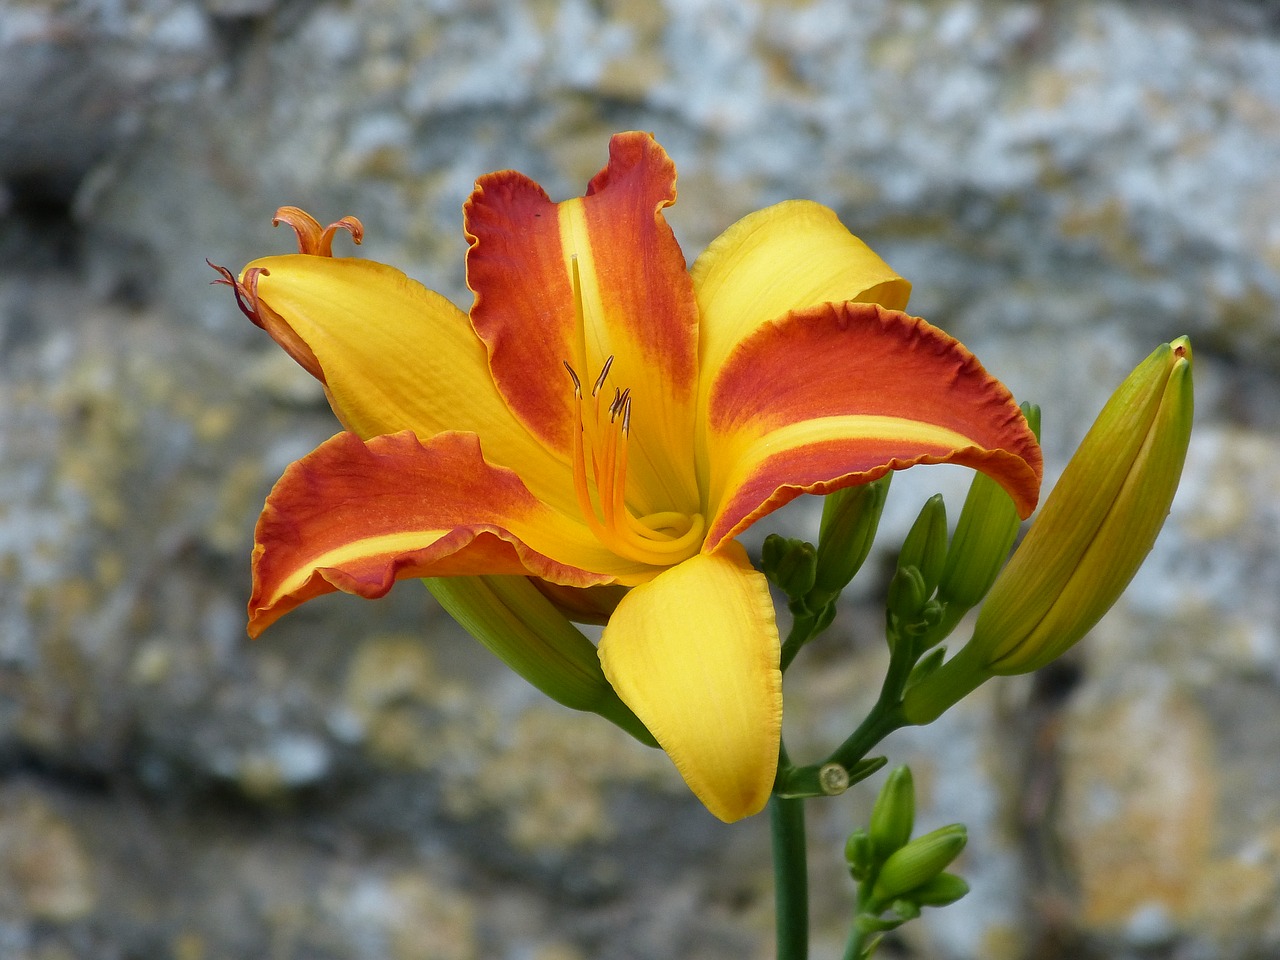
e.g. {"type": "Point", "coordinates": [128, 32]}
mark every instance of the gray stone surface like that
{"type": "Point", "coordinates": [1066, 184]}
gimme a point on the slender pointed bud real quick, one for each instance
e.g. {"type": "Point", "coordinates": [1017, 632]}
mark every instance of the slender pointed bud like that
{"type": "Point", "coordinates": [850, 518]}
{"type": "Point", "coordinates": [894, 814]}
{"type": "Point", "coordinates": [790, 564]}
{"type": "Point", "coordinates": [524, 629]}
{"type": "Point", "coordinates": [1090, 537]}
{"type": "Point", "coordinates": [919, 862]}
{"type": "Point", "coordinates": [942, 890]}
{"type": "Point", "coordinates": [984, 535]}
{"type": "Point", "coordinates": [859, 854]}
{"type": "Point", "coordinates": [925, 547]}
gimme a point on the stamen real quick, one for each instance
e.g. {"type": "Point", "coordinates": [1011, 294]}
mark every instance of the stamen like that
{"type": "Point", "coordinates": [577, 384]}
{"type": "Point", "coordinates": [312, 239]}
{"type": "Point", "coordinates": [604, 373]}
{"type": "Point", "coordinates": [659, 539]}
{"type": "Point", "coordinates": [246, 290]}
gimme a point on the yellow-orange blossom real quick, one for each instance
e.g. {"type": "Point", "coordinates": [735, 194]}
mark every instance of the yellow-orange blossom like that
{"type": "Point", "coordinates": [606, 416]}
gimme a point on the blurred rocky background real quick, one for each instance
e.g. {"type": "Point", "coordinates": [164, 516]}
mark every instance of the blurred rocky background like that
{"type": "Point", "coordinates": [1067, 184]}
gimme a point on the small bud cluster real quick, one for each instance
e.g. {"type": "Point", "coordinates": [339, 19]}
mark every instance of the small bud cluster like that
{"type": "Point", "coordinates": [897, 875]}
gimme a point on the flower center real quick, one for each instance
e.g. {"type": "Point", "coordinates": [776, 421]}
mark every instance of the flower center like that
{"type": "Point", "coordinates": [661, 539]}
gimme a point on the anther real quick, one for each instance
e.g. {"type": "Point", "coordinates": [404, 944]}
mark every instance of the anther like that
{"type": "Point", "coordinates": [604, 372]}
{"type": "Point", "coordinates": [577, 384]}
{"type": "Point", "coordinates": [621, 400]}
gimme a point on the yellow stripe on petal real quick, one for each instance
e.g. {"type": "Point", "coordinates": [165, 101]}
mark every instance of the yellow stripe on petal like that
{"type": "Point", "coordinates": [821, 456]}
{"type": "Point", "coordinates": [397, 356]}
{"type": "Point", "coordinates": [694, 653]}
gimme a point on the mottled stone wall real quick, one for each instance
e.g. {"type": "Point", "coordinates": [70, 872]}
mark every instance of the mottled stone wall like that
{"type": "Point", "coordinates": [1065, 183]}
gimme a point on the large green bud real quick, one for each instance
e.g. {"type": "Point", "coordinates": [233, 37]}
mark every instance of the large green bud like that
{"type": "Point", "coordinates": [1093, 532]}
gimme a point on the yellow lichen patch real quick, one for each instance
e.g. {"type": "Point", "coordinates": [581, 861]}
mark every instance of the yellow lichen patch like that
{"type": "Point", "coordinates": [549, 773]}
{"type": "Point", "coordinates": [1138, 808]}
{"type": "Point", "coordinates": [391, 687]}
{"type": "Point", "coordinates": [43, 863]}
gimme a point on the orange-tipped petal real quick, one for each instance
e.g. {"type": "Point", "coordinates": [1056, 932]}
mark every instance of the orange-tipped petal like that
{"type": "Point", "coordinates": [694, 652]}
{"type": "Point", "coordinates": [357, 516]}
{"type": "Point", "coordinates": [596, 277]}
{"type": "Point", "coordinates": [841, 393]}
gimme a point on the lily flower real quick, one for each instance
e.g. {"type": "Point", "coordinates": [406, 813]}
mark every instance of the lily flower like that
{"type": "Point", "coordinates": [606, 416]}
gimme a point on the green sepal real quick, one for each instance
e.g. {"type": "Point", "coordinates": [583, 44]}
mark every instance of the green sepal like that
{"type": "Point", "coordinates": [510, 617]}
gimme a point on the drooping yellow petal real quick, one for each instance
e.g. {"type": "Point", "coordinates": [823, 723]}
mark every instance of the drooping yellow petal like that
{"type": "Point", "coordinates": [694, 653]}
{"type": "Point", "coordinates": [394, 356]}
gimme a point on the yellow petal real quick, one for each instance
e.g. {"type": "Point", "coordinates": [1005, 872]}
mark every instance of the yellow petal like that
{"type": "Point", "coordinates": [694, 653]}
{"type": "Point", "coordinates": [786, 257]}
{"type": "Point", "coordinates": [395, 356]}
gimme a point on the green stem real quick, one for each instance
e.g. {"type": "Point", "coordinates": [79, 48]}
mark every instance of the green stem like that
{"type": "Point", "coordinates": [884, 718]}
{"type": "Point", "coordinates": [802, 629]}
{"type": "Point", "coordinates": [790, 877]}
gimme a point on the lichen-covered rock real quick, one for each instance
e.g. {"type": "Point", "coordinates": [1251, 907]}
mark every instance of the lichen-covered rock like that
{"type": "Point", "coordinates": [1065, 184]}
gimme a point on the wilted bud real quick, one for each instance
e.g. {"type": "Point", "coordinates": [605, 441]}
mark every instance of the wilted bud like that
{"type": "Point", "coordinates": [894, 813]}
{"type": "Point", "coordinates": [789, 563]}
{"type": "Point", "coordinates": [850, 518]}
{"type": "Point", "coordinates": [524, 629]}
{"type": "Point", "coordinates": [919, 862]}
{"type": "Point", "coordinates": [1090, 537]}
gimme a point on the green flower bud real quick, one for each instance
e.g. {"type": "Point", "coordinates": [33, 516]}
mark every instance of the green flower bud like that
{"type": "Point", "coordinates": [894, 813]}
{"type": "Point", "coordinates": [918, 862]}
{"type": "Point", "coordinates": [850, 518]}
{"type": "Point", "coordinates": [1087, 542]}
{"type": "Point", "coordinates": [859, 854]}
{"type": "Point", "coordinates": [944, 889]}
{"type": "Point", "coordinates": [925, 547]}
{"type": "Point", "coordinates": [790, 564]}
{"type": "Point", "coordinates": [984, 535]}
{"type": "Point", "coordinates": [525, 630]}
{"type": "Point", "coordinates": [906, 595]}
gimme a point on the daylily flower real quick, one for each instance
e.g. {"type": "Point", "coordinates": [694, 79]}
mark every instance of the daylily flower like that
{"type": "Point", "coordinates": [604, 416]}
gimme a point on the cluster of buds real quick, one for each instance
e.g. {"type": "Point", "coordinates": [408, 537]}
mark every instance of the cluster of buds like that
{"type": "Point", "coordinates": [897, 875]}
